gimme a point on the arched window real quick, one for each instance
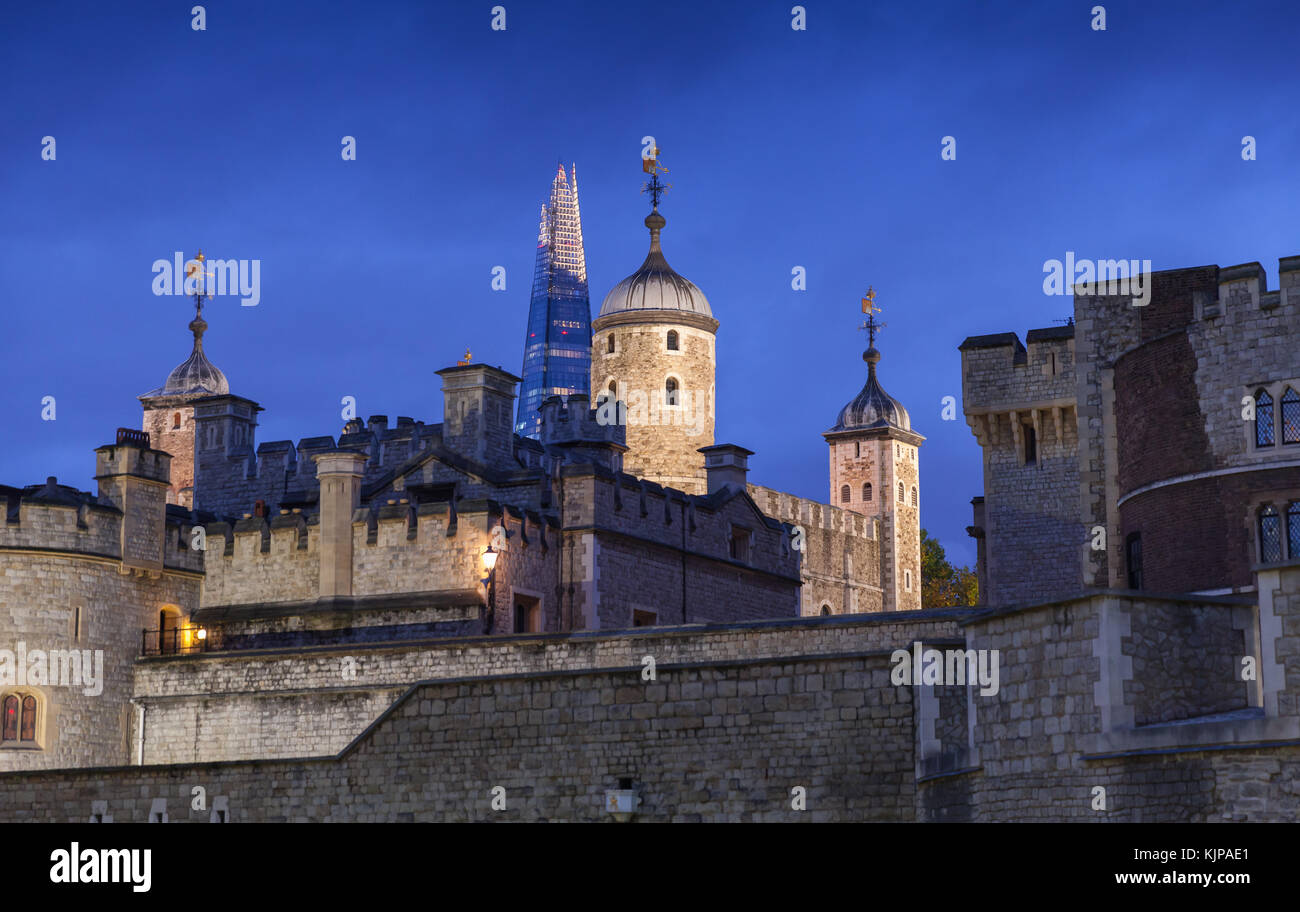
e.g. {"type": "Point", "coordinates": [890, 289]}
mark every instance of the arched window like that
{"type": "Point", "coordinates": [1263, 419]}
{"type": "Point", "coordinates": [845, 494]}
{"type": "Point", "coordinates": [1290, 416]}
{"type": "Point", "coordinates": [1270, 535]}
{"type": "Point", "coordinates": [20, 718]}
{"type": "Point", "coordinates": [1293, 530]}
{"type": "Point", "coordinates": [610, 349]}
{"type": "Point", "coordinates": [613, 390]}
{"type": "Point", "coordinates": [672, 340]}
{"type": "Point", "coordinates": [900, 492]}
{"type": "Point", "coordinates": [27, 731]}
{"type": "Point", "coordinates": [670, 391]}
{"type": "Point", "coordinates": [866, 492]}
{"type": "Point", "coordinates": [176, 420]}
{"type": "Point", "coordinates": [826, 610]}
{"type": "Point", "coordinates": [914, 495]}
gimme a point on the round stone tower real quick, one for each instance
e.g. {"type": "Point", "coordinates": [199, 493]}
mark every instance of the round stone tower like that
{"type": "Point", "coordinates": [653, 351]}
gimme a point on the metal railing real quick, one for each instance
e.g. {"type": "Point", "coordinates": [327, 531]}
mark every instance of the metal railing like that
{"type": "Point", "coordinates": [176, 641]}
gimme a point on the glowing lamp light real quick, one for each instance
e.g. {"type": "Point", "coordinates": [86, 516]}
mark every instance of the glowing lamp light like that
{"type": "Point", "coordinates": [489, 558]}
{"type": "Point", "coordinates": [203, 633]}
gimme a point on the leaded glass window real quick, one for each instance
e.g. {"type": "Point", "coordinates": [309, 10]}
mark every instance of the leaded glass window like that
{"type": "Point", "coordinates": [1290, 416]}
{"type": "Point", "coordinates": [11, 718]}
{"type": "Point", "coordinates": [1270, 535]}
{"type": "Point", "coordinates": [1293, 530]}
{"type": "Point", "coordinates": [1263, 419]}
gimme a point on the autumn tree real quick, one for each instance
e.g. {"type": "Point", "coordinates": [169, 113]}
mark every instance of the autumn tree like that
{"type": "Point", "coordinates": [942, 584]}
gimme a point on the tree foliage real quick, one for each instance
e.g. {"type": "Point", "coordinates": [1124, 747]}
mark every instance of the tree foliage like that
{"type": "Point", "coordinates": [942, 584]}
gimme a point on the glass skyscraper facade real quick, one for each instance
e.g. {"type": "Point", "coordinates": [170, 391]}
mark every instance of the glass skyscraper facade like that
{"type": "Point", "coordinates": [557, 347]}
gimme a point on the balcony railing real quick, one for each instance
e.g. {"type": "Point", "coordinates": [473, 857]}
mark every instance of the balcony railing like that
{"type": "Point", "coordinates": [176, 641]}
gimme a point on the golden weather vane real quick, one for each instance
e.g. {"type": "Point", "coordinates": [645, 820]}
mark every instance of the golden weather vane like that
{"type": "Point", "coordinates": [870, 308]}
{"type": "Point", "coordinates": [194, 270]}
{"type": "Point", "coordinates": [650, 165]}
{"type": "Point", "coordinates": [468, 357]}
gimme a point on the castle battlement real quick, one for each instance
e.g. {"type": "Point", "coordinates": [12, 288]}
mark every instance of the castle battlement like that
{"type": "Point", "coordinates": [60, 518]}
{"type": "Point", "coordinates": [396, 547]}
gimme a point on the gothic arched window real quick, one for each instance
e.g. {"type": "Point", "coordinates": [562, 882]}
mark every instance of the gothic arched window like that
{"type": "Point", "coordinates": [672, 340]}
{"type": "Point", "coordinates": [900, 492]}
{"type": "Point", "coordinates": [845, 494]}
{"type": "Point", "coordinates": [1270, 535]}
{"type": "Point", "coordinates": [1293, 530]}
{"type": "Point", "coordinates": [10, 732]}
{"type": "Point", "coordinates": [20, 718]}
{"type": "Point", "coordinates": [826, 610]}
{"type": "Point", "coordinates": [1263, 419]}
{"type": "Point", "coordinates": [866, 492]}
{"type": "Point", "coordinates": [914, 495]}
{"type": "Point", "coordinates": [670, 391]}
{"type": "Point", "coordinates": [27, 731]}
{"type": "Point", "coordinates": [1290, 416]}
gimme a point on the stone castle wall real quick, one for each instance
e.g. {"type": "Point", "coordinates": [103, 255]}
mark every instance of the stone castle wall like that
{"type": "Point", "coordinates": [841, 560]}
{"type": "Point", "coordinates": [63, 588]}
{"type": "Point", "coordinates": [737, 716]}
{"type": "Point", "coordinates": [283, 703]}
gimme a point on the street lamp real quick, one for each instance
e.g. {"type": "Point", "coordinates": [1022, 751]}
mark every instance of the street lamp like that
{"type": "Point", "coordinates": [490, 564]}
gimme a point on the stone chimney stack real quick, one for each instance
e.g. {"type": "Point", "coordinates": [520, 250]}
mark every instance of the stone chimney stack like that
{"type": "Point", "coordinates": [478, 407]}
{"type": "Point", "coordinates": [726, 466]}
{"type": "Point", "coordinates": [340, 474]}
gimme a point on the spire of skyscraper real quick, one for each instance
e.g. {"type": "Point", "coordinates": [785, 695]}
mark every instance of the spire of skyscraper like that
{"type": "Point", "coordinates": [557, 346]}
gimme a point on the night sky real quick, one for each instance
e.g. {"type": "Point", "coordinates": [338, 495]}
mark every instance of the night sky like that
{"type": "Point", "coordinates": [816, 148]}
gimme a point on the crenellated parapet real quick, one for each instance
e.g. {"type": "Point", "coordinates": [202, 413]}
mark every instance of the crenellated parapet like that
{"type": "Point", "coordinates": [1009, 387]}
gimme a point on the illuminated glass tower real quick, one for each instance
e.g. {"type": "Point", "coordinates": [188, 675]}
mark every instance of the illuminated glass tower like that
{"type": "Point", "coordinates": [557, 348]}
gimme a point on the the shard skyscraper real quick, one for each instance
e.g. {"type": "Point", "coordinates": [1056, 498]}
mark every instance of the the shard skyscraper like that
{"type": "Point", "coordinates": [557, 347]}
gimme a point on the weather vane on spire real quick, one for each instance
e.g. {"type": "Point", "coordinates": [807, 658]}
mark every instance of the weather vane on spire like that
{"type": "Point", "coordinates": [194, 273]}
{"type": "Point", "coordinates": [650, 165]}
{"type": "Point", "coordinates": [870, 308]}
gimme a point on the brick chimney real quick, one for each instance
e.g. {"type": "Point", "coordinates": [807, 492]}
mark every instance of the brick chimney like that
{"type": "Point", "coordinates": [726, 466]}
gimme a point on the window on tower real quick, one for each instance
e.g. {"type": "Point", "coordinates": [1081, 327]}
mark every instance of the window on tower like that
{"type": "Point", "coordinates": [914, 503]}
{"type": "Point", "coordinates": [1133, 559]}
{"type": "Point", "coordinates": [1270, 535]}
{"type": "Point", "coordinates": [1290, 416]}
{"type": "Point", "coordinates": [610, 344]}
{"type": "Point", "coordinates": [845, 494]}
{"type": "Point", "coordinates": [670, 391]}
{"type": "Point", "coordinates": [672, 340]}
{"type": "Point", "coordinates": [176, 420]}
{"type": "Point", "coordinates": [1031, 445]}
{"type": "Point", "coordinates": [1263, 419]}
{"type": "Point", "coordinates": [866, 492]}
{"type": "Point", "coordinates": [857, 448]}
{"type": "Point", "coordinates": [901, 494]}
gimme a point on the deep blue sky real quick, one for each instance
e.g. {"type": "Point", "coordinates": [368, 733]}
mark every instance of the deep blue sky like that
{"type": "Point", "coordinates": [817, 148]}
